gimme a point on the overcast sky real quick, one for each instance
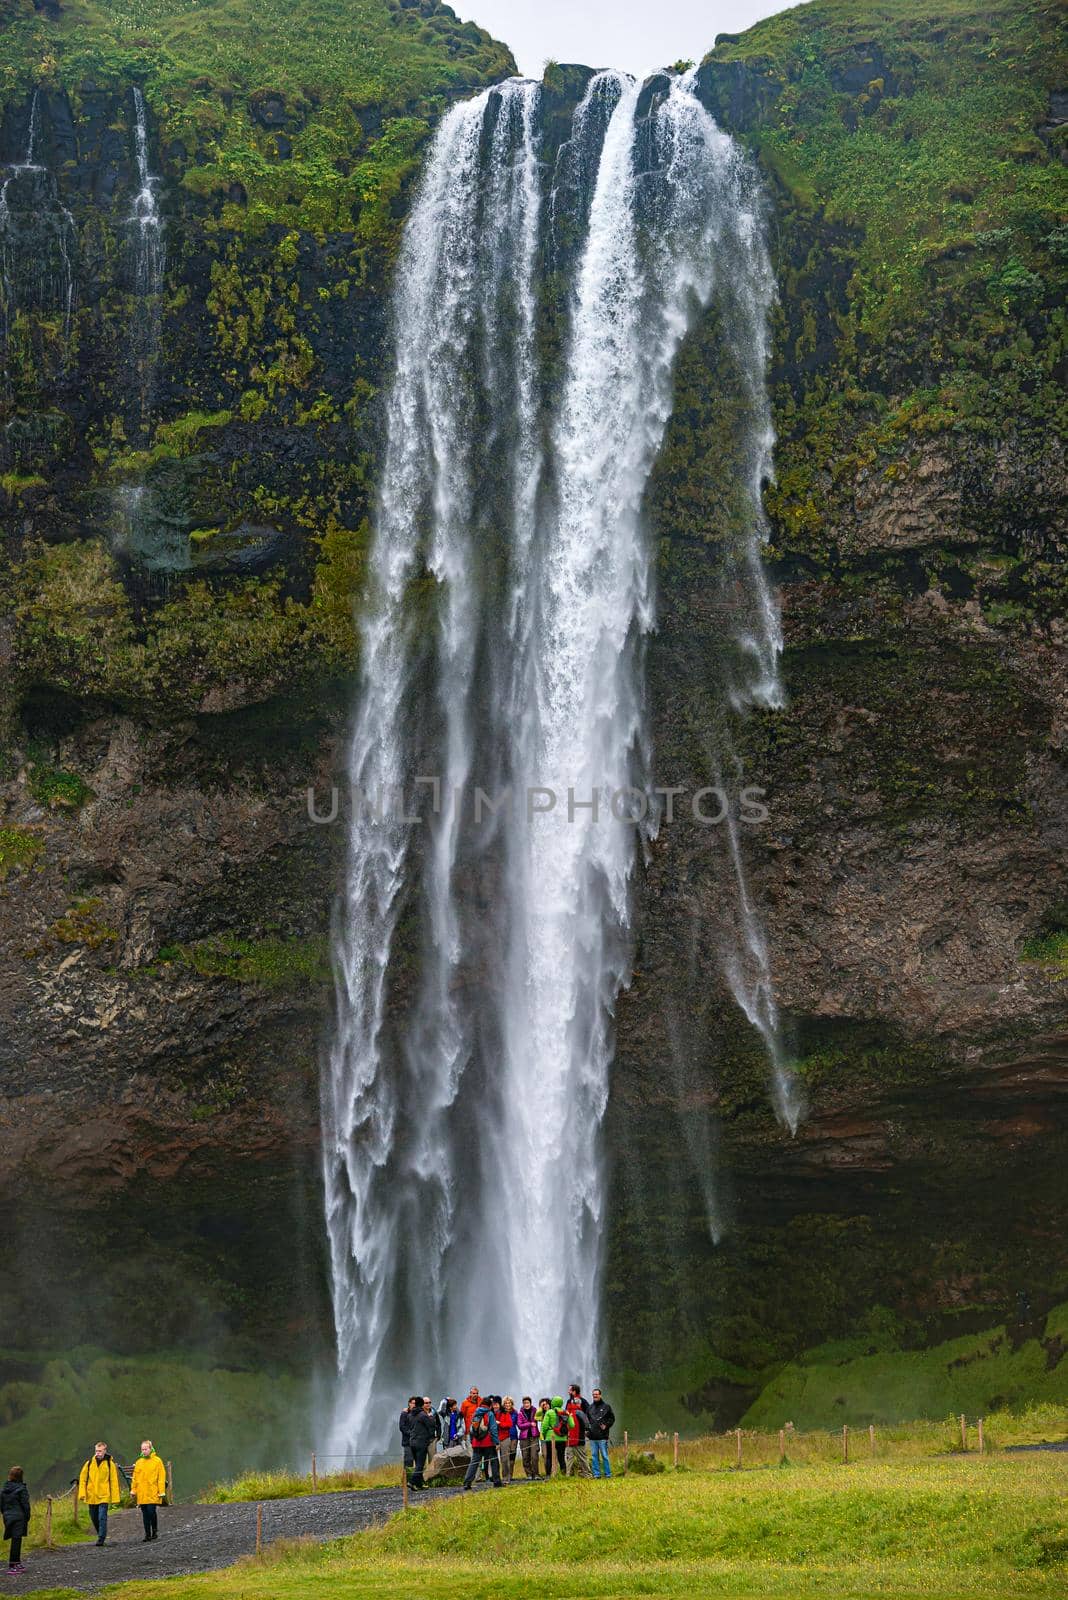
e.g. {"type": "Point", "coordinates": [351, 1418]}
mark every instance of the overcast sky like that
{"type": "Point", "coordinates": [636, 35]}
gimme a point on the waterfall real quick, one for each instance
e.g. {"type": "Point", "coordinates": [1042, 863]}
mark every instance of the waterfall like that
{"type": "Point", "coordinates": [140, 530]}
{"type": "Point", "coordinates": [37, 237]}
{"type": "Point", "coordinates": [510, 594]}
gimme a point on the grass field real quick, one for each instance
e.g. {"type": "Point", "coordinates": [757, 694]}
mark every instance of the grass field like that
{"type": "Point", "coordinates": [951, 1527]}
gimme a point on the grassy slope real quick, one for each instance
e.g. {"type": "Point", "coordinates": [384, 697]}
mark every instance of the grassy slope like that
{"type": "Point", "coordinates": [956, 1527]}
{"type": "Point", "coordinates": [950, 211]}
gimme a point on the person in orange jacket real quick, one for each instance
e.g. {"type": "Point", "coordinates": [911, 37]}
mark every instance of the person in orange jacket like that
{"type": "Point", "coordinates": [149, 1488]}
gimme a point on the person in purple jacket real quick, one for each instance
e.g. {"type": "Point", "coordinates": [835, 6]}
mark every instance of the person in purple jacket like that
{"type": "Point", "coordinates": [529, 1436]}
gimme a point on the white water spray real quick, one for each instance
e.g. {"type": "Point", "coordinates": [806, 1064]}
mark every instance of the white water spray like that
{"type": "Point", "coordinates": [510, 593]}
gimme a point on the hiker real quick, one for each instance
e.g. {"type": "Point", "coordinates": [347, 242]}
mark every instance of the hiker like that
{"type": "Point", "coordinates": [529, 1431]}
{"type": "Point", "coordinates": [15, 1510]}
{"type": "Point", "coordinates": [574, 1396]}
{"type": "Point", "coordinates": [425, 1427]}
{"type": "Point", "coordinates": [508, 1429]}
{"type": "Point", "coordinates": [602, 1421]}
{"type": "Point", "coordinates": [415, 1403]}
{"type": "Point", "coordinates": [98, 1486]}
{"type": "Point", "coordinates": [576, 1455]}
{"type": "Point", "coordinates": [437, 1420]}
{"type": "Point", "coordinates": [453, 1431]}
{"type": "Point", "coordinates": [470, 1406]}
{"type": "Point", "coordinates": [148, 1486]}
{"type": "Point", "coordinates": [555, 1426]}
{"type": "Point", "coordinates": [484, 1440]}
{"type": "Point", "coordinates": [544, 1407]}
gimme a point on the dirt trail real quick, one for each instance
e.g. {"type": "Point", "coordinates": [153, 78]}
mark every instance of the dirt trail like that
{"type": "Point", "coordinates": [201, 1538]}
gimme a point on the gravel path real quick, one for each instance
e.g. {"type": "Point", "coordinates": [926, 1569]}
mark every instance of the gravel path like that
{"type": "Point", "coordinates": [1056, 1444]}
{"type": "Point", "coordinates": [201, 1538]}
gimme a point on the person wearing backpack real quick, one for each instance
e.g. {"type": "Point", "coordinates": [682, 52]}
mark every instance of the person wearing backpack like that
{"type": "Point", "coordinates": [484, 1441]}
{"type": "Point", "coordinates": [555, 1427]}
{"type": "Point", "coordinates": [148, 1486]}
{"type": "Point", "coordinates": [98, 1487]}
{"type": "Point", "coordinates": [15, 1511]}
{"type": "Point", "coordinates": [602, 1421]}
{"type": "Point", "coordinates": [529, 1431]}
{"type": "Point", "coordinates": [576, 1455]}
{"type": "Point", "coordinates": [508, 1428]}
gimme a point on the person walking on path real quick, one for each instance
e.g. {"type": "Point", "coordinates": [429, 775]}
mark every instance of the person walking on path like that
{"type": "Point", "coordinates": [602, 1421]}
{"type": "Point", "coordinates": [98, 1486]}
{"type": "Point", "coordinates": [529, 1431]}
{"type": "Point", "coordinates": [484, 1441]}
{"type": "Point", "coordinates": [425, 1428]}
{"type": "Point", "coordinates": [508, 1428]}
{"type": "Point", "coordinates": [148, 1486]}
{"type": "Point", "coordinates": [415, 1403]}
{"type": "Point", "coordinates": [576, 1455]}
{"type": "Point", "coordinates": [15, 1511]}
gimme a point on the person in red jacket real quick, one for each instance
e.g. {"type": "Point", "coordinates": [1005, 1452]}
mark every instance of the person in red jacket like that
{"type": "Point", "coordinates": [529, 1429]}
{"type": "Point", "coordinates": [577, 1456]}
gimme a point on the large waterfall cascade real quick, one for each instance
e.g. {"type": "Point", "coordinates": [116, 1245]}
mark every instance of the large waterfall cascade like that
{"type": "Point", "coordinates": [510, 594]}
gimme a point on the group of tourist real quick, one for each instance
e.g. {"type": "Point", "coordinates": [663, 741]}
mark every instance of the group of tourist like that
{"type": "Point", "coordinates": [98, 1488]}
{"type": "Point", "coordinates": [570, 1437]}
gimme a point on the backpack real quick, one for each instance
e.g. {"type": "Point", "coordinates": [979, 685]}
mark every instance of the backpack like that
{"type": "Point", "coordinates": [562, 1426]}
{"type": "Point", "coordinates": [480, 1426]}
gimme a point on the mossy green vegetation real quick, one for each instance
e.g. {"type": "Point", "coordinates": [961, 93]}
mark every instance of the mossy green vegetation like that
{"type": "Point", "coordinates": [940, 1529]}
{"type": "Point", "coordinates": [276, 963]}
{"type": "Point", "coordinates": [19, 849]}
{"type": "Point", "coordinates": [920, 236]}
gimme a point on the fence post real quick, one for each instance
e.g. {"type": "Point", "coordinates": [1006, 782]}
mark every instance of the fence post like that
{"type": "Point", "coordinates": [963, 1431]}
{"type": "Point", "coordinates": [980, 1426]}
{"type": "Point", "coordinates": [782, 1446]}
{"type": "Point", "coordinates": [676, 1452]}
{"type": "Point", "coordinates": [48, 1521]}
{"type": "Point", "coordinates": [76, 1487]}
{"type": "Point", "coordinates": [738, 1443]}
{"type": "Point", "coordinates": [259, 1529]}
{"type": "Point", "coordinates": [626, 1451]}
{"type": "Point", "coordinates": [170, 1482]}
{"type": "Point", "coordinates": [845, 1441]}
{"type": "Point", "coordinates": [404, 1488]}
{"type": "Point", "coordinates": [315, 1476]}
{"type": "Point", "coordinates": [871, 1436]}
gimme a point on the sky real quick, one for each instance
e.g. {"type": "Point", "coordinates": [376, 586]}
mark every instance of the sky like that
{"type": "Point", "coordinates": [636, 35]}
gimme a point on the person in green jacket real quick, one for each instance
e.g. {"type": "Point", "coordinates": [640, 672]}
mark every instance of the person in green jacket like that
{"type": "Point", "coordinates": [555, 1426]}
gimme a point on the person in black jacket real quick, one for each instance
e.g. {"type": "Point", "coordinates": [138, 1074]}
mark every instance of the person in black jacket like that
{"type": "Point", "coordinates": [15, 1510]}
{"type": "Point", "coordinates": [602, 1421]}
{"type": "Point", "coordinates": [425, 1428]}
{"type": "Point", "coordinates": [407, 1416]}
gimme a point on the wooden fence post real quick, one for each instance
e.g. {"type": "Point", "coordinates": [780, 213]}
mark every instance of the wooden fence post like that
{"type": "Point", "coordinates": [676, 1452]}
{"type": "Point", "coordinates": [845, 1441]}
{"type": "Point", "coordinates": [315, 1476]}
{"type": "Point", "coordinates": [404, 1488]}
{"type": "Point", "coordinates": [75, 1502]}
{"type": "Point", "coordinates": [871, 1436]}
{"type": "Point", "coordinates": [259, 1529]}
{"type": "Point", "coordinates": [980, 1426]}
{"type": "Point", "coordinates": [782, 1446]}
{"type": "Point", "coordinates": [626, 1451]}
{"type": "Point", "coordinates": [963, 1431]}
{"type": "Point", "coordinates": [48, 1521]}
{"type": "Point", "coordinates": [170, 1482]}
{"type": "Point", "coordinates": [738, 1443]}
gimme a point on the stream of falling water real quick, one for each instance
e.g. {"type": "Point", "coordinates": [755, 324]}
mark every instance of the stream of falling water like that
{"type": "Point", "coordinates": [37, 237]}
{"type": "Point", "coordinates": [511, 589]}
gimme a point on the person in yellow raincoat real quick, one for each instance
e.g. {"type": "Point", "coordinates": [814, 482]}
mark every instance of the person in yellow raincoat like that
{"type": "Point", "coordinates": [149, 1487]}
{"type": "Point", "coordinates": [98, 1486]}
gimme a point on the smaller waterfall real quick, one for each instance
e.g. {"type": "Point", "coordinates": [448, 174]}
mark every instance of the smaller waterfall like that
{"type": "Point", "coordinates": [37, 237]}
{"type": "Point", "coordinates": [141, 531]}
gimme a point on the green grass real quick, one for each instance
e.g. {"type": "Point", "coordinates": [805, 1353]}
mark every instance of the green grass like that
{"type": "Point", "coordinates": [951, 1528]}
{"type": "Point", "coordinates": [276, 963]}
{"type": "Point", "coordinates": [19, 849]}
{"type": "Point", "coordinates": [289, 1485]}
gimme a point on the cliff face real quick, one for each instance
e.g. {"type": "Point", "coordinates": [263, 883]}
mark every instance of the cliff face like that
{"type": "Point", "coordinates": [175, 676]}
